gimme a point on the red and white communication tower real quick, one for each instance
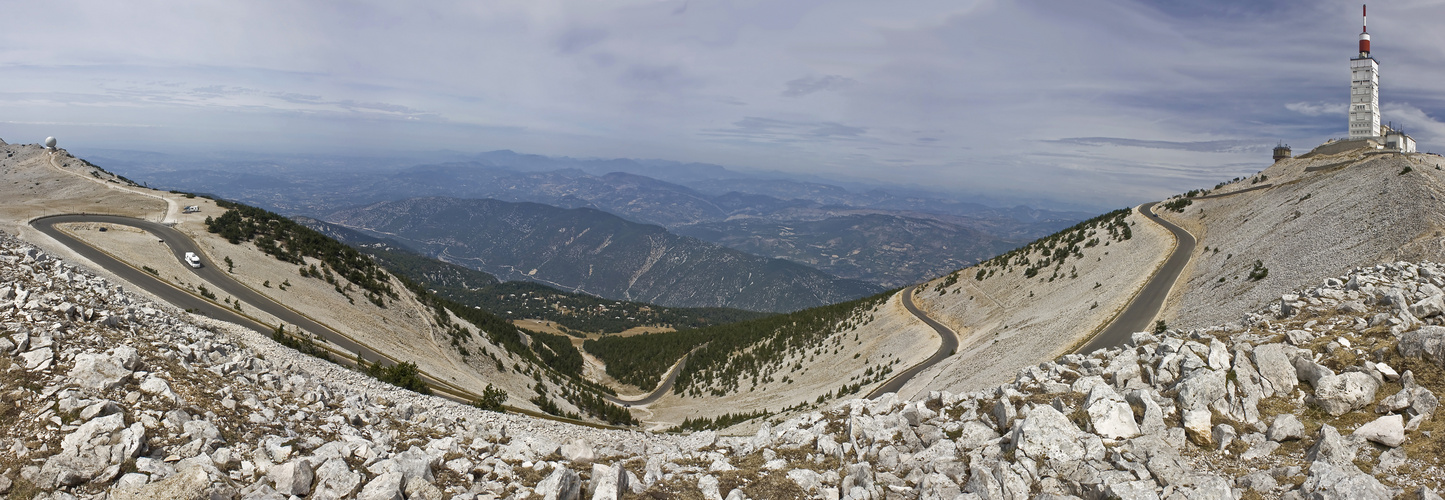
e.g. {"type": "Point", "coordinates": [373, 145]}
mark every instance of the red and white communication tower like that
{"type": "Point", "coordinates": [1364, 88]}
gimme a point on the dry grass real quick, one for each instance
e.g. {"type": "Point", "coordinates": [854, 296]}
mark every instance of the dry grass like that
{"type": "Point", "coordinates": [667, 490]}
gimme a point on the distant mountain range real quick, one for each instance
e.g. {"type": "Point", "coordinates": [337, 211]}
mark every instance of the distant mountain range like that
{"type": "Point", "coordinates": [879, 248]}
{"type": "Point", "coordinates": [873, 235]}
{"type": "Point", "coordinates": [599, 253]}
{"type": "Point", "coordinates": [514, 300]}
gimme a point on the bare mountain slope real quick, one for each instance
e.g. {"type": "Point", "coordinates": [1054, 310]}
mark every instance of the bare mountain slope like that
{"type": "Point", "coordinates": [1040, 301]}
{"type": "Point", "coordinates": [408, 327]}
{"type": "Point", "coordinates": [1318, 215]}
{"type": "Point", "coordinates": [1322, 216]}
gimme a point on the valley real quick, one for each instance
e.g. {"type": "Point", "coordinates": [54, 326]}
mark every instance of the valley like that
{"type": "Point", "coordinates": [590, 251]}
{"type": "Point", "coordinates": [1066, 297]}
{"type": "Point", "coordinates": [900, 239]}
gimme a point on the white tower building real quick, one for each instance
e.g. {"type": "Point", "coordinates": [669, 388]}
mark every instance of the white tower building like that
{"type": "Point", "coordinates": [1364, 90]}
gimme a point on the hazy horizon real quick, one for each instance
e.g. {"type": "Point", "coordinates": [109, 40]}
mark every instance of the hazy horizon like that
{"type": "Point", "coordinates": [1086, 104]}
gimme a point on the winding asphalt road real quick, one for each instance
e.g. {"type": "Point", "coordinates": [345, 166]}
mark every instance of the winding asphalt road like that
{"type": "Point", "coordinates": [946, 349]}
{"type": "Point", "coordinates": [657, 393]}
{"type": "Point", "coordinates": [1146, 304]}
{"type": "Point", "coordinates": [178, 244]}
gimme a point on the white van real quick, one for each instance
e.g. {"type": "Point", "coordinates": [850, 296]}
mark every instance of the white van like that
{"type": "Point", "coordinates": [193, 260]}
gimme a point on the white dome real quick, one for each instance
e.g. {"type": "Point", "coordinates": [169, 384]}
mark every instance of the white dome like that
{"type": "Point", "coordinates": [50, 142]}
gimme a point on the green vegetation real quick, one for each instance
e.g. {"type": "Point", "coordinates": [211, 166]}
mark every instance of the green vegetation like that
{"type": "Point", "coordinates": [205, 292]}
{"type": "Point", "coordinates": [1405, 170]}
{"type": "Point", "coordinates": [1177, 205]}
{"type": "Point", "coordinates": [1259, 272]}
{"type": "Point", "coordinates": [525, 300]}
{"type": "Point", "coordinates": [948, 281]}
{"type": "Point", "coordinates": [150, 270]}
{"type": "Point", "coordinates": [492, 399]}
{"type": "Point", "coordinates": [121, 177]}
{"type": "Point", "coordinates": [404, 375]}
{"type": "Point", "coordinates": [290, 242]}
{"type": "Point", "coordinates": [230, 265]}
{"type": "Point", "coordinates": [557, 352]}
{"type": "Point", "coordinates": [719, 422]}
{"type": "Point", "coordinates": [1055, 249]}
{"type": "Point", "coordinates": [301, 343]}
{"type": "Point", "coordinates": [725, 355]}
{"type": "Point", "coordinates": [1160, 327]}
{"type": "Point", "coordinates": [554, 352]}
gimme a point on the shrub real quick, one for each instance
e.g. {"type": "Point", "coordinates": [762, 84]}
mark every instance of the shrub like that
{"type": "Point", "coordinates": [491, 399]}
{"type": "Point", "coordinates": [404, 375]}
{"type": "Point", "coordinates": [1259, 272]}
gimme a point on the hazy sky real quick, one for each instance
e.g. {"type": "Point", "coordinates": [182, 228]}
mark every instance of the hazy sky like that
{"type": "Point", "coordinates": [1102, 103]}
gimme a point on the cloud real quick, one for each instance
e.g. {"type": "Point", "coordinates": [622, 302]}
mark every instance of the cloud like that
{"type": "Point", "coordinates": [1319, 108]}
{"type": "Point", "coordinates": [811, 84]}
{"type": "Point", "coordinates": [760, 129]}
{"type": "Point", "coordinates": [1225, 146]}
{"type": "Point", "coordinates": [1414, 121]}
{"type": "Point", "coordinates": [579, 38]}
{"type": "Point", "coordinates": [973, 95]}
{"type": "Point", "coordinates": [80, 124]}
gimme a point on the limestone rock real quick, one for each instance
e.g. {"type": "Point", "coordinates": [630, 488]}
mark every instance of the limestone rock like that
{"type": "Point", "coordinates": [1201, 389]}
{"type": "Point", "coordinates": [1197, 426]}
{"type": "Point", "coordinates": [1330, 447]}
{"type": "Point", "coordinates": [1110, 416]}
{"type": "Point", "coordinates": [1223, 434]}
{"type": "Point", "coordinates": [98, 371]}
{"type": "Point", "coordinates": [1340, 394]}
{"type": "Point", "coordinates": [1430, 306]}
{"type": "Point", "coordinates": [157, 386]}
{"type": "Point", "coordinates": [562, 484]}
{"type": "Point", "coordinates": [708, 485]}
{"type": "Point", "coordinates": [808, 480]}
{"type": "Point", "coordinates": [1285, 427]}
{"type": "Point", "coordinates": [1044, 433]}
{"type": "Point", "coordinates": [335, 480]}
{"type": "Point", "coordinates": [38, 359]}
{"type": "Point", "coordinates": [1275, 368]}
{"type": "Point", "coordinates": [292, 478]}
{"type": "Point", "coordinates": [578, 451]}
{"type": "Point", "coordinates": [386, 486]}
{"type": "Point", "coordinates": [1311, 372]}
{"type": "Point", "coordinates": [1388, 430]}
{"type": "Point", "coordinates": [1328, 481]}
{"type": "Point", "coordinates": [190, 483]}
{"type": "Point", "coordinates": [1427, 342]}
{"type": "Point", "coordinates": [608, 482]}
{"type": "Point", "coordinates": [422, 490]}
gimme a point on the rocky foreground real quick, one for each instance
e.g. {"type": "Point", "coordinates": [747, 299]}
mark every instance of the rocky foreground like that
{"type": "Point", "coordinates": [1325, 394]}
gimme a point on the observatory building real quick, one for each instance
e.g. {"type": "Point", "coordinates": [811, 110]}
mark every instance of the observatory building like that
{"type": "Point", "coordinates": [1365, 100]}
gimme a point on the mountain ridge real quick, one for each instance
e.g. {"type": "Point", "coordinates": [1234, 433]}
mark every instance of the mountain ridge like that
{"type": "Point", "coordinates": [590, 250]}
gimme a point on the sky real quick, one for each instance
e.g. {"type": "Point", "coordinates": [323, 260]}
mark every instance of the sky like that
{"type": "Point", "coordinates": [1085, 102]}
